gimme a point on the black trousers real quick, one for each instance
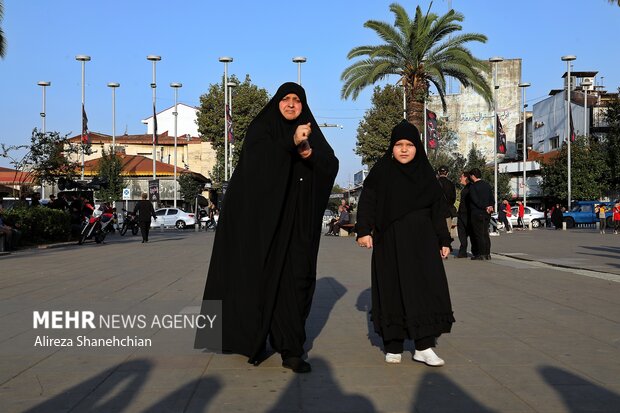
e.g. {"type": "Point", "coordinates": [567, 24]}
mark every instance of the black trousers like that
{"type": "Point", "coordinates": [144, 229]}
{"type": "Point", "coordinates": [480, 229]}
{"type": "Point", "coordinates": [396, 346]}
{"type": "Point", "coordinates": [461, 228]}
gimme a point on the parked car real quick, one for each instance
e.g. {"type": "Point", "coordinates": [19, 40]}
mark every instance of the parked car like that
{"type": "Point", "coordinates": [537, 218]}
{"type": "Point", "coordinates": [583, 212]}
{"type": "Point", "coordinates": [328, 215]}
{"type": "Point", "coordinates": [173, 217]}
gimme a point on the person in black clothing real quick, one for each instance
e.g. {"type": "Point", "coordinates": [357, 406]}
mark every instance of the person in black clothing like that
{"type": "Point", "coordinates": [463, 219]}
{"type": "Point", "coordinates": [144, 210]}
{"type": "Point", "coordinates": [401, 215]}
{"type": "Point", "coordinates": [481, 207]}
{"type": "Point", "coordinates": [449, 191]}
{"type": "Point", "coordinates": [266, 281]}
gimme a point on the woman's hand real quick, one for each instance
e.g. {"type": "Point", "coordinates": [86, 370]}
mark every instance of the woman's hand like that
{"type": "Point", "coordinates": [445, 251]}
{"type": "Point", "coordinates": [302, 133]}
{"type": "Point", "coordinates": [365, 241]}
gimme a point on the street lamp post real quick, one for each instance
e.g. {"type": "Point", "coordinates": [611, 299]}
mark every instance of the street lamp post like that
{"type": "Point", "coordinates": [568, 59]}
{"type": "Point", "coordinates": [113, 86]}
{"type": "Point", "coordinates": [494, 61]}
{"type": "Point", "coordinates": [44, 85]}
{"type": "Point", "coordinates": [83, 59]}
{"type": "Point", "coordinates": [225, 60]}
{"type": "Point", "coordinates": [176, 87]}
{"type": "Point", "coordinates": [299, 60]}
{"type": "Point", "coordinates": [154, 59]}
{"type": "Point", "coordinates": [585, 85]}
{"type": "Point", "coordinates": [231, 147]}
{"type": "Point", "coordinates": [523, 86]}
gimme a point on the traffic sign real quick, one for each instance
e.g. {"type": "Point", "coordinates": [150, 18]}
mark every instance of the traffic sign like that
{"type": "Point", "coordinates": [126, 194]}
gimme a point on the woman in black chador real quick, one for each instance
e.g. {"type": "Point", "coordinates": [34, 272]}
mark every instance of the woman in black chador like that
{"type": "Point", "coordinates": [401, 215]}
{"type": "Point", "coordinates": [263, 265]}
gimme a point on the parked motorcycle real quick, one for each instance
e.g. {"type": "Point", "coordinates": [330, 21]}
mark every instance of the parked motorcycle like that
{"type": "Point", "coordinates": [129, 222]}
{"type": "Point", "coordinates": [98, 225]}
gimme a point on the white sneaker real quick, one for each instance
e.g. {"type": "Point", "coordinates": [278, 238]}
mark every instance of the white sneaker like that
{"type": "Point", "coordinates": [428, 357]}
{"type": "Point", "coordinates": [508, 232]}
{"type": "Point", "coordinates": [392, 358]}
{"type": "Point", "coordinates": [494, 234]}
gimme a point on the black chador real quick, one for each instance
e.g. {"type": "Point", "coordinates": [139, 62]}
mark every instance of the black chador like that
{"type": "Point", "coordinates": [263, 265]}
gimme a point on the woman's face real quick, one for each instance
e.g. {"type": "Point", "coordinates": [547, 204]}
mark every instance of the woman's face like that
{"type": "Point", "coordinates": [290, 106]}
{"type": "Point", "coordinates": [404, 151]}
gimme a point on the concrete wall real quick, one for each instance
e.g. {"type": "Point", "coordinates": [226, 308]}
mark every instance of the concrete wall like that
{"type": "Point", "coordinates": [186, 123]}
{"type": "Point", "coordinates": [549, 119]}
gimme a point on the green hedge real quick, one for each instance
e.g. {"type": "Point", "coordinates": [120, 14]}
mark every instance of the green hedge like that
{"type": "Point", "coordinates": [39, 224]}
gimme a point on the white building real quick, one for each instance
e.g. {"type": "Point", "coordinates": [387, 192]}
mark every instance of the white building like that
{"type": "Point", "coordinates": [186, 122]}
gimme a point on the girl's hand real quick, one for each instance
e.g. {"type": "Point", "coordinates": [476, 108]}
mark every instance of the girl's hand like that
{"type": "Point", "coordinates": [445, 251]}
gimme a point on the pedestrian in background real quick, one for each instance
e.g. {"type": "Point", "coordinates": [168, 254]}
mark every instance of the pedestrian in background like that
{"type": "Point", "coordinates": [504, 212]}
{"type": "Point", "coordinates": [520, 215]}
{"type": "Point", "coordinates": [557, 217]}
{"type": "Point", "coordinates": [401, 213]}
{"type": "Point", "coordinates": [144, 210]}
{"type": "Point", "coordinates": [449, 191]}
{"type": "Point", "coordinates": [616, 217]}
{"type": "Point", "coordinates": [463, 221]}
{"type": "Point", "coordinates": [481, 205]}
{"type": "Point", "coordinates": [600, 211]}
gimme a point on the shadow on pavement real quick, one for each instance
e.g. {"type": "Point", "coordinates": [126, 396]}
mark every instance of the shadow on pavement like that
{"type": "Point", "coordinates": [578, 394]}
{"type": "Point", "coordinates": [320, 392]}
{"type": "Point", "coordinates": [192, 397]}
{"type": "Point", "coordinates": [326, 294]}
{"type": "Point", "coordinates": [437, 393]}
{"type": "Point", "coordinates": [363, 304]}
{"type": "Point", "coordinates": [108, 391]}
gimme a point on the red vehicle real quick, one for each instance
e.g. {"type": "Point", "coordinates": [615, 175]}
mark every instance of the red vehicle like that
{"type": "Point", "coordinates": [98, 225]}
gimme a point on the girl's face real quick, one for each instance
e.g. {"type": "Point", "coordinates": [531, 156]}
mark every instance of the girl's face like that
{"type": "Point", "coordinates": [404, 151]}
{"type": "Point", "coordinates": [290, 106]}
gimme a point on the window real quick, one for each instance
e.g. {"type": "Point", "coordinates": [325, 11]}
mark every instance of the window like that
{"type": "Point", "coordinates": [160, 212]}
{"type": "Point", "coordinates": [172, 211]}
{"type": "Point", "coordinates": [554, 142]}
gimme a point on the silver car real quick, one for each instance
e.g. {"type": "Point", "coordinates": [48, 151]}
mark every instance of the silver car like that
{"type": "Point", "coordinates": [530, 214]}
{"type": "Point", "coordinates": [173, 217]}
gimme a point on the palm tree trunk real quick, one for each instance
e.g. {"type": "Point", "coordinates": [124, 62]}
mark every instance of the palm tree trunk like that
{"type": "Point", "coordinates": [415, 105]}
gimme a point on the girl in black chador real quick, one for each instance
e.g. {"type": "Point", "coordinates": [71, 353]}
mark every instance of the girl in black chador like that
{"type": "Point", "coordinates": [263, 265]}
{"type": "Point", "coordinates": [401, 215]}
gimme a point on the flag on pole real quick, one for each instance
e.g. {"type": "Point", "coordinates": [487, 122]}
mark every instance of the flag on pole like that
{"type": "Point", "coordinates": [154, 125]}
{"type": "Point", "coordinates": [231, 136]}
{"type": "Point", "coordinates": [572, 128]}
{"type": "Point", "coordinates": [500, 137]}
{"type": "Point", "coordinates": [85, 134]}
{"type": "Point", "coordinates": [432, 136]}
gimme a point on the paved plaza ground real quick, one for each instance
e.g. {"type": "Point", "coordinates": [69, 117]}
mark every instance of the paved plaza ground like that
{"type": "Point", "coordinates": [538, 330]}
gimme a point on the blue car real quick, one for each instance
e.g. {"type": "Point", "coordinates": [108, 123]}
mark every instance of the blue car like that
{"type": "Point", "coordinates": [583, 212]}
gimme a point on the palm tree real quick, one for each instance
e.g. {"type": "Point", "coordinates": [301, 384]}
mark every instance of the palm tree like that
{"type": "Point", "coordinates": [421, 52]}
{"type": "Point", "coordinates": [2, 40]}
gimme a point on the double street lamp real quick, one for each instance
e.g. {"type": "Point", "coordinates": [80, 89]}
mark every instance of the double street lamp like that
{"type": "Point", "coordinates": [83, 59]}
{"type": "Point", "coordinates": [568, 59]}
{"type": "Point", "coordinates": [584, 86]}
{"type": "Point", "coordinates": [523, 86]}
{"type": "Point", "coordinates": [113, 86]}
{"type": "Point", "coordinates": [299, 60]}
{"type": "Point", "coordinates": [225, 60]}
{"type": "Point", "coordinates": [44, 85]}
{"type": "Point", "coordinates": [176, 87]}
{"type": "Point", "coordinates": [230, 86]}
{"type": "Point", "coordinates": [494, 61]}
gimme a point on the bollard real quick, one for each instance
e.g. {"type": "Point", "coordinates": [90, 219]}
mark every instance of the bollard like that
{"type": "Point", "coordinates": [597, 225]}
{"type": "Point", "coordinates": [529, 226]}
{"type": "Point", "coordinates": [564, 226]}
{"type": "Point", "coordinates": [161, 227]}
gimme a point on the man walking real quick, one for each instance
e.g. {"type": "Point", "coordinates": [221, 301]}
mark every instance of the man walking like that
{"type": "Point", "coordinates": [463, 220]}
{"type": "Point", "coordinates": [144, 210]}
{"type": "Point", "coordinates": [481, 204]}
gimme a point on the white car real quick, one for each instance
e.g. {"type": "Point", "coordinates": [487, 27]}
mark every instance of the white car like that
{"type": "Point", "coordinates": [173, 217]}
{"type": "Point", "coordinates": [530, 214]}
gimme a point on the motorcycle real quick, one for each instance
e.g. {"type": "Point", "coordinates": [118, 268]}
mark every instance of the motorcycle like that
{"type": "Point", "coordinates": [129, 222]}
{"type": "Point", "coordinates": [97, 226]}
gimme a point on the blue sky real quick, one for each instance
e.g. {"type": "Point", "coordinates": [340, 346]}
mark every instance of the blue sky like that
{"type": "Point", "coordinates": [45, 36]}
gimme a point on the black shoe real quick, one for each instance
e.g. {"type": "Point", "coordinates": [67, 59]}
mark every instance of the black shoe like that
{"type": "Point", "coordinates": [477, 257]}
{"type": "Point", "coordinates": [461, 256]}
{"type": "Point", "coordinates": [487, 257]}
{"type": "Point", "coordinates": [297, 365]}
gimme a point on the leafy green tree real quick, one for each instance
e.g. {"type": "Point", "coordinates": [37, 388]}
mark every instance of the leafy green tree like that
{"type": "Point", "coordinates": [589, 171]}
{"type": "Point", "coordinates": [375, 129]}
{"type": "Point", "coordinates": [421, 52]}
{"type": "Point", "coordinates": [189, 187]}
{"type": "Point", "coordinates": [50, 157]}
{"type": "Point", "coordinates": [109, 171]}
{"type": "Point", "coordinates": [612, 143]}
{"type": "Point", "coordinates": [247, 101]}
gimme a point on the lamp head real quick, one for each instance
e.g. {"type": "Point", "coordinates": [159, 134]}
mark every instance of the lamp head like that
{"type": "Point", "coordinates": [525, 84]}
{"type": "Point", "coordinates": [153, 58]}
{"type": "Point", "coordinates": [113, 84]}
{"type": "Point", "coordinates": [568, 58]}
{"type": "Point", "coordinates": [176, 85]}
{"type": "Point", "coordinates": [225, 59]}
{"type": "Point", "coordinates": [299, 59]}
{"type": "Point", "coordinates": [42, 83]}
{"type": "Point", "coordinates": [82, 58]}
